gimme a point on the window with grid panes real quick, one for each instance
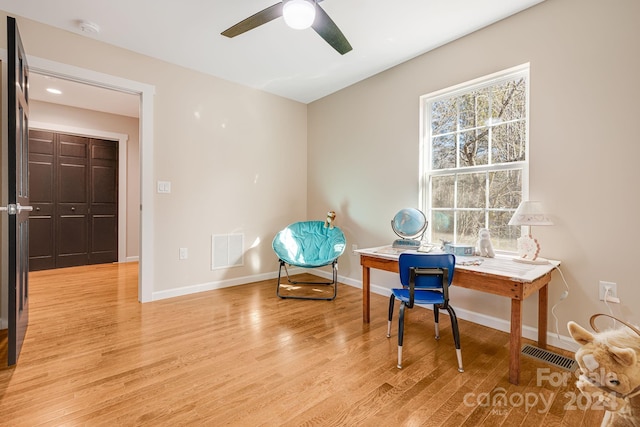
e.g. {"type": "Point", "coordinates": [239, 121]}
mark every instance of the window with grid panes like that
{"type": "Point", "coordinates": [475, 158]}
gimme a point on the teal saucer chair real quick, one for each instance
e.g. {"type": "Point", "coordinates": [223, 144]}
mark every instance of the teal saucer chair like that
{"type": "Point", "coordinates": [309, 244]}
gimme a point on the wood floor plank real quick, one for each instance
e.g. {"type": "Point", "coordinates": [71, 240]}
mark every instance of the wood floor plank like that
{"type": "Point", "coordinates": [93, 355]}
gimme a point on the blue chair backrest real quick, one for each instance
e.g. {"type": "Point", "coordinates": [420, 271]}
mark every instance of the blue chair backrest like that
{"type": "Point", "coordinates": [408, 260]}
{"type": "Point", "coordinates": [309, 244]}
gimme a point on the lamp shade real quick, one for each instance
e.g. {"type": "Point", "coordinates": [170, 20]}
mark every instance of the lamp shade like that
{"type": "Point", "coordinates": [530, 213]}
{"type": "Point", "coordinates": [299, 14]}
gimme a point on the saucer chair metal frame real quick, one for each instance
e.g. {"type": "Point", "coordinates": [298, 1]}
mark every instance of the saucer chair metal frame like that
{"type": "Point", "coordinates": [309, 244]}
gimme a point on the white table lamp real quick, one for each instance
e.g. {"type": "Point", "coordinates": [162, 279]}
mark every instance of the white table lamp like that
{"type": "Point", "coordinates": [529, 213]}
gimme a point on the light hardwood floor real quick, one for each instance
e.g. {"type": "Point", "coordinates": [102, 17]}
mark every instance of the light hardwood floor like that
{"type": "Point", "coordinates": [240, 356]}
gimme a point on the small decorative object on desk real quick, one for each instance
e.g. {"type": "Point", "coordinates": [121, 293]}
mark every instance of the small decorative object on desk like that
{"type": "Point", "coordinates": [528, 247]}
{"type": "Point", "coordinates": [331, 217]}
{"type": "Point", "coordinates": [426, 247]}
{"type": "Point", "coordinates": [484, 247]}
{"type": "Point", "coordinates": [469, 261]}
{"type": "Point", "coordinates": [458, 250]}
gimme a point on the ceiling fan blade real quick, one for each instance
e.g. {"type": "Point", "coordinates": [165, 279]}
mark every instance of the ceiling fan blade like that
{"type": "Point", "coordinates": [329, 31]}
{"type": "Point", "coordinates": [262, 17]}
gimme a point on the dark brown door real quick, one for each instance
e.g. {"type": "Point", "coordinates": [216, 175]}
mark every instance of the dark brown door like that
{"type": "Point", "coordinates": [42, 253]}
{"type": "Point", "coordinates": [72, 204]}
{"type": "Point", "coordinates": [103, 208]}
{"type": "Point", "coordinates": [18, 189]}
{"type": "Point", "coordinates": [74, 181]}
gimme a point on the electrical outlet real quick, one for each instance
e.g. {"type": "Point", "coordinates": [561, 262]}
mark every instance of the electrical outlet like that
{"type": "Point", "coordinates": [184, 253]}
{"type": "Point", "coordinates": [613, 289]}
{"type": "Point", "coordinates": [354, 248]}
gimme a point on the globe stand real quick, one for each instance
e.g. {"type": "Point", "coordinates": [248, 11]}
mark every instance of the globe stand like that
{"type": "Point", "coordinates": [406, 244]}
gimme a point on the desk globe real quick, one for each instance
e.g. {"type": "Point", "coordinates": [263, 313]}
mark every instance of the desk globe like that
{"type": "Point", "coordinates": [408, 224]}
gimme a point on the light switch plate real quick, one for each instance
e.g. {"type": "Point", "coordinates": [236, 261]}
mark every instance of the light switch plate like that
{"type": "Point", "coordinates": [164, 187]}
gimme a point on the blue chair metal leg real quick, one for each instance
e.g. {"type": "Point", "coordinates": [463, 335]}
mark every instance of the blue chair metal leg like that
{"type": "Point", "coordinates": [456, 336]}
{"type": "Point", "coordinates": [400, 333]}
{"type": "Point", "coordinates": [436, 320]}
{"type": "Point", "coordinates": [391, 302]}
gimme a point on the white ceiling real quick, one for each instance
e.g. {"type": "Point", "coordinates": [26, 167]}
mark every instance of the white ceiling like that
{"type": "Point", "coordinates": [295, 64]}
{"type": "Point", "coordinates": [83, 96]}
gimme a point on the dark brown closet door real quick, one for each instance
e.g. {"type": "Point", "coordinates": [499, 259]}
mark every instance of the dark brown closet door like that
{"type": "Point", "coordinates": [74, 180]}
{"type": "Point", "coordinates": [72, 219]}
{"type": "Point", "coordinates": [103, 222]}
{"type": "Point", "coordinates": [42, 185]}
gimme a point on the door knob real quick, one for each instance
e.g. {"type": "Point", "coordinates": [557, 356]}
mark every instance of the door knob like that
{"type": "Point", "coordinates": [13, 209]}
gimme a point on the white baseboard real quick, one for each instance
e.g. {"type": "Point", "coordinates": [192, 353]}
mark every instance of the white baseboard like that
{"type": "Point", "coordinates": [4, 324]}
{"type": "Point", "coordinates": [203, 287]}
{"type": "Point", "coordinates": [132, 259]}
{"type": "Point", "coordinates": [193, 289]}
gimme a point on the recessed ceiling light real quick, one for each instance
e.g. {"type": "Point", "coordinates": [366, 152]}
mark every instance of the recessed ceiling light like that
{"type": "Point", "coordinates": [54, 91]}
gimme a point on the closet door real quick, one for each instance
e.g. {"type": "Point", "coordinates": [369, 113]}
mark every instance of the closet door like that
{"type": "Point", "coordinates": [74, 187]}
{"type": "Point", "coordinates": [72, 216]}
{"type": "Point", "coordinates": [42, 185]}
{"type": "Point", "coordinates": [103, 188]}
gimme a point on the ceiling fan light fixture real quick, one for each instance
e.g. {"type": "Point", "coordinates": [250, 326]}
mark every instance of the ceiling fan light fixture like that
{"type": "Point", "coordinates": [299, 14]}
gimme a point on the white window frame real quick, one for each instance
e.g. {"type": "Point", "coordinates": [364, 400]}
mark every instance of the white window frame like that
{"type": "Point", "coordinates": [425, 140]}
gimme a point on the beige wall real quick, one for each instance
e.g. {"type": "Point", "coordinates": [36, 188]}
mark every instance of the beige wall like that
{"type": "Point", "coordinates": [236, 158]}
{"type": "Point", "coordinates": [584, 150]}
{"type": "Point", "coordinates": [77, 118]}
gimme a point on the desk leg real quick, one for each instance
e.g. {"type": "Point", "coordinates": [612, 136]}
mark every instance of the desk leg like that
{"type": "Point", "coordinates": [366, 294]}
{"type": "Point", "coordinates": [515, 341]}
{"type": "Point", "coordinates": [543, 303]}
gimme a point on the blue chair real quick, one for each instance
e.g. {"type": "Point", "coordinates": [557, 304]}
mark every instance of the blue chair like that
{"type": "Point", "coordinates": [425, 279]}
{"type": "Point", "coordinates": [309, 244]}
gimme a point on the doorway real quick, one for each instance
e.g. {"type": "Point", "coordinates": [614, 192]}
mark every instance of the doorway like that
{"type": "Point", "coordinates": [145, 94]}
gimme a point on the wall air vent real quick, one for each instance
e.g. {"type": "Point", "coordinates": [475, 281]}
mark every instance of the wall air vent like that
{"type": "Point", "coordinates": [227, 250]}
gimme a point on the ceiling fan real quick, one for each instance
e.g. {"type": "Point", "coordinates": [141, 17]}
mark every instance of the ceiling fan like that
{"type": "Point", "coordinates": [291, 11]}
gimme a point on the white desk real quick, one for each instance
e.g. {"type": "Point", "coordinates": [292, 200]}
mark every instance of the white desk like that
{"type": "Point", "coordinates": [498, 276]}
